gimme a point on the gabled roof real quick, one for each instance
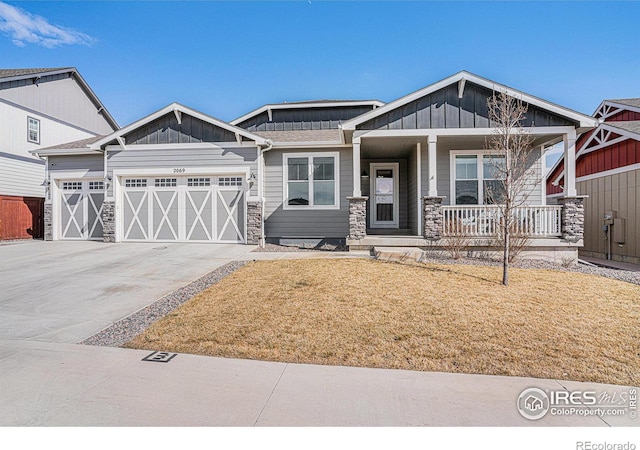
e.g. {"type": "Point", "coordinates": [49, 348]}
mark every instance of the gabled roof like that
{"type": "Point", "coordinates": [177, 108]}
{"type": "Point", "coordinates": [20, 74]}
{"type": "Point", "coordinates": [69, 148]}
{"type": "Point", "coordinates": [13, 73]}
{"type": "Point", "coordinates": [621, 131]}
{"type": "Point", "coordinates": [632, 126]}
{"type": "Point", "coordinates": [461, 77]}
{"type": "Point", "coordinates": [609, 108]}
{"type": "Point", "coordinates": [635, 102]}
{"type": "Point", "coordinates": [307, 104]}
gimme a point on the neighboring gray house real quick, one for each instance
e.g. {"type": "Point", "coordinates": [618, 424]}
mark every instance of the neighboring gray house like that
{"type": "Point", "coordinates": [39, 108]}
{"type": "Point", "coordinates": [361, 172]}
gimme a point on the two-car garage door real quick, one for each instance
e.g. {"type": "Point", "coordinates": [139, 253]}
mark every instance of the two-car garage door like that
{"type": "Point", "coordinates": [178, 209]}
{"type": "Point", "coordinates": [192, 209]}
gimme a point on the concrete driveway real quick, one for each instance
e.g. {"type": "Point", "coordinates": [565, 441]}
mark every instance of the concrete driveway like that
{"type": "Point", "coordinates": [67, 291]}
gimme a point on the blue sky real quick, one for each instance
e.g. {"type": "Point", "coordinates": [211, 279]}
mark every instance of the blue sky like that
{"type": "Point", "coordinates": [227, 58]}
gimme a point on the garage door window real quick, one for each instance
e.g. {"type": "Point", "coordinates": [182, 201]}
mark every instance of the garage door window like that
{"type": "Point", "coordinates": [72, 185]}
{"type": "Point", "coordinates": [230, 181]}
{"type": "Point", "coordinates": [311, 180]}
{"type": "Point", "coordinates": [135, 182]}
{"type": "Point", "coordinates": [198, 182]}
{"type": "Point", "coordinates": [166, 182]}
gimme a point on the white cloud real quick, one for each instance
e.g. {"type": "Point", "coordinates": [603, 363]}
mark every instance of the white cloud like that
{"type": "Point", "coordinates": [24, 28]}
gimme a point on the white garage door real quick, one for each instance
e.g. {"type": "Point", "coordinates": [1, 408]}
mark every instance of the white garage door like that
{"type": "Point", "coordinates": [81, 209]}
{"type": "Point", "coordinates": [187, 209]}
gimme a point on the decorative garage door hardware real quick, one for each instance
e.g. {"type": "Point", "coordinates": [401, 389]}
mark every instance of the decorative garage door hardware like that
{"type": "Point", "coordinates": [81, 209]}
{"type": "Point", "coordinates": [160, 357]}
{"type": "Point", "coordinates": [202, 209]}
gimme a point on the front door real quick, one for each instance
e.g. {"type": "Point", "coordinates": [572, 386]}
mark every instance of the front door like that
{"type": "Point", "coordinates": [384, 195]}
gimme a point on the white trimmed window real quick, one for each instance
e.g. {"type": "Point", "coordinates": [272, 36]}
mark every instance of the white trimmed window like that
{"type": "Point", "coordinates": [311, 180]}
{"type": "Point", "coordinates": [476, 178]}
{"type": "Point", "coordinates": [33, 130]}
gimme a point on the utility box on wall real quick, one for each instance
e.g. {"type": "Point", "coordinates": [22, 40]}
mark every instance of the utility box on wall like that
{"type": "Point", "coordinates": [619, 230]}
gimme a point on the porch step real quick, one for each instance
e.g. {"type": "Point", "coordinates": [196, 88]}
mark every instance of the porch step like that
{"type": "Point", "coordinates": [397, 253]}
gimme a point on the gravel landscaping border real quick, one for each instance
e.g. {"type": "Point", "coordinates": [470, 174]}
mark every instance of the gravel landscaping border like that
{"type": "Point", "coordinates": [126, 329]}
{"type": "Point", "coordinates": [616, 274]}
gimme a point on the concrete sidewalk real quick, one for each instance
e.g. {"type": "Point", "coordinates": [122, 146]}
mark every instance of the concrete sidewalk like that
{"type": "Point", "coordinates": [57, 384]}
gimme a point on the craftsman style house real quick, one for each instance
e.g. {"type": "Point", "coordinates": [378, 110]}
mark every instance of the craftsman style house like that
{"type": "Point", "coordinates": [363, 173]}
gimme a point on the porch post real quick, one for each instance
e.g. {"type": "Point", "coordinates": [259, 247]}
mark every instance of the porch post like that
{"type": "Point", "coordinates": [570, 164]}
{"type": "Point", "coordinates": [356, 168]}
{"type": "Point", "coordinates": [432, 171]}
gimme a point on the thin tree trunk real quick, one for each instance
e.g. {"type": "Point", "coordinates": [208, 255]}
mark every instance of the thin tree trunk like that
{"type": "Point", "coordinates": [505, 256]}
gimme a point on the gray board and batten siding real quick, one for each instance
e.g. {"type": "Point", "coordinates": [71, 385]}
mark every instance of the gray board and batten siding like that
{"type": "Point", "coordinates": [167, 130]}
{"type": "Point", "coordinates": [58, 96]}
{"type": "Point", "coordinates": [319, 118]}
{"type": "Point", "coordinates": [444, 109]}
{"type": "Point", "coordinates": [305, 223]}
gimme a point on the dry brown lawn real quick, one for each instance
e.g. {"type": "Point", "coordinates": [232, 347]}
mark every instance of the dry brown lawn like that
{"type": "Point", "coordinates": [369, 313]}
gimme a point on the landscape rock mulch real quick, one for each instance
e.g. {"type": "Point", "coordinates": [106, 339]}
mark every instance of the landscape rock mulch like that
{"type": "Point", "coordinates": [621, 275]}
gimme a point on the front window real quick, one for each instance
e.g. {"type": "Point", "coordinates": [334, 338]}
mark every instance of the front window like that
{"type": "Point", "coordinates": [478, 179]}
{"type": "Point", "coordinates": [33, 130]}
{"type": "Point", "coordinates": [311, 180]}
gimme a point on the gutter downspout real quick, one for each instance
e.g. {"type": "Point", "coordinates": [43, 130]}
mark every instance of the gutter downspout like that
{"type": "Point", "coordinates": [261, 169]}
{"type": "Point", "coordinates": [46, 182]}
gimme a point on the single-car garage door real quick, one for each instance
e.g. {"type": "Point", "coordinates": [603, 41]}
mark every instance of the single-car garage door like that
{"type": "Point", "coordinates": [81, 209]}
{"type": "Point", "coordinates": [187, 209]}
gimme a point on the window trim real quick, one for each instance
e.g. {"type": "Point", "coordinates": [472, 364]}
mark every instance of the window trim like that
{"type": "Point", "coordinates": [29, 119]}
{"type": "Point", "coordinates": [310, 155]}
{"type": "Point", "coordinates": [480, 172]}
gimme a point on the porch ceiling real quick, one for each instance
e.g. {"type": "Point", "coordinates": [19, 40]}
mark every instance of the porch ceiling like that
{"type": "Point", "coordinates": [403, 146]}
{"type": "Point", "coordinates": [480, 142]}
{"type": "Point", "coordinates": [390, 147]}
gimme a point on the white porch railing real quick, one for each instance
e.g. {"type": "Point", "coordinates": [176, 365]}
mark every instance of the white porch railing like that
{"type": "Point", "coordinates": [484, 220]}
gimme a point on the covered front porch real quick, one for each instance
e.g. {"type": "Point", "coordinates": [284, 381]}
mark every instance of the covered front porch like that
{"type": "Point", "coordinates": [408, 192]}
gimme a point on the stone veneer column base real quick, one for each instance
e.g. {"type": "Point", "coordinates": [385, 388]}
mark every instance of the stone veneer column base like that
{"type": "Point", "coordinates": [254, 222]}
{"type": "Point", "coordinates": [357, 217]}
{"type": "Point", "coordinates": [48, 222]}
{"type": "Point", "coordinates": [433, 218]}
{"type": "Point", "coordinates": [572, 218]}
{"type": "Point", "coordinates": [109, 221]}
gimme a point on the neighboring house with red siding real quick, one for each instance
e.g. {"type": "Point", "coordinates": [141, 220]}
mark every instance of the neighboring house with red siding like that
{"type": "Point", "coordinates": [608, 172]}
{"type": "Point", "coordinates": [39, 108]}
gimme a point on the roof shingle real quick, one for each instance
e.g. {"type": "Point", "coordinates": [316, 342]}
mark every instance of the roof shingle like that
{"type": "Point", "coordinates": [7, 73]}
{"type": "Point", "coordinates": [635, 102]}
{"type": "Point", "coordinates": [301, 135]}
